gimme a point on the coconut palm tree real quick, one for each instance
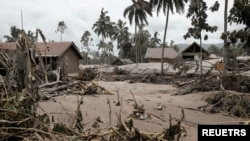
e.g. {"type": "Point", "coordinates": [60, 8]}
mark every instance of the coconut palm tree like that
{"type": "Point", "coordinates": [14, 31]}
{"type": "Point", "coordinates": [105, 28]}
{"type": "Point", "coordinates": [121, 34]}
{"type": "Point", "coordinates": [167, 6]}
{"type": "Point", "coordinates": [138, 12]}
{"type": "Point", "coordinates": [102, 46]}
{"type": "Point", "coordinates": [143, 37]}
{"type": "Point", "coordinates": [155, 41]}
{"type": "Point", "coordinates": [85, 40]}
{"type": "Point", "coordinates": [61, 27]}
{"type": "Point", "coordinates": [110, 49]}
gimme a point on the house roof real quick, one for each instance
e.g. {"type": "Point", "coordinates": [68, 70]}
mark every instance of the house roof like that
{"type": "Point", "coordinates": [193, 44]}
{"type": "Point", "coordinates": [127, 61]}
{"type": "Point", "coordinates": [123, 61]}
{"type": "Point", "coordinates": [155, 53]}
{"type": "Point", "coordinates": [56, 49]}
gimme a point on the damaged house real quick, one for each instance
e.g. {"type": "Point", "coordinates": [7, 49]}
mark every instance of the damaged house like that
{"type": "Point", "coordinates": [193, 51]}
{"type": "Point", "coordinates": [58, 55]}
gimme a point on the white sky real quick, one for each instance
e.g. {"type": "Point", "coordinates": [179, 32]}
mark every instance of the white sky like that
{"type": "Point", "coordinates": [80, 15]}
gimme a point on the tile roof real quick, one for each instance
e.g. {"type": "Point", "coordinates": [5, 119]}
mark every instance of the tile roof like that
{"type": "Point", "coordinates": [55, 48]}
{"type": "Point", "coordinates": [155, 53]}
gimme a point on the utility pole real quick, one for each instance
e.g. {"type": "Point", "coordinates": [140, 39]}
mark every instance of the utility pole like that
{"type": "Point", "coordinates": [21, 19]}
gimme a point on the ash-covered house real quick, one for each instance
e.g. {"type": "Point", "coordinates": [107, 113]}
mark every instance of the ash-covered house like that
{"type": "Point", "coordinates": [154, 55]}
{"type": "Point", "coordinates": [57, 55]}
{"type": "Point", "coordinates": [119, 62]}
{"type": "Point", "coordinates": [193, 52]}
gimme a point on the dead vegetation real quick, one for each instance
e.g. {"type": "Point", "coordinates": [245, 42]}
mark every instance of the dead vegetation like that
{"type": "Point", "coordinates": [230, 103]}
{"type": "Point", "coordinates": [27, 82]}
{"type": "Point", "coordinates": [188, 80]}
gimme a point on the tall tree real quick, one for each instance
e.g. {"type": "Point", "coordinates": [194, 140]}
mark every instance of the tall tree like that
{"type": "Point", "coordinates": [102, 45]}
{"type": "Point", "coordinates": [155, 41]}
{"type": "Point", "coordinates": [122, 35]}
{"type": "Point", "coordinates": [86, 40]}
{"type": "Point", "coordinates": [143, 38]}
{"type": "Point", "coordinates": [238, 14]}
{"type": "Point", "coordinates": [105, 28]}
{"type": "Point", "coordinates": [138, 12]}
{"type": "Point", "coordinates": [127, 51]}
{"type": "Point", "coordinates": [197, 12]}
{"type": "Point", "coordinates": [110, 49]}
{"type": "Point", "coordinates": [167, 6]}
{"type": "Point", "coordinates": [61, 26]}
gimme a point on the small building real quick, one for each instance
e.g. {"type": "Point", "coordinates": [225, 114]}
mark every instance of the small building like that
{"type": "Point", "coordinates": [119, 62]}
{"type": "Point", "coordinates": [58, 54]}
{"type": "Point", "coordinates": [193, 52]}
{"type": "Point", "coordinates": [154, 54]}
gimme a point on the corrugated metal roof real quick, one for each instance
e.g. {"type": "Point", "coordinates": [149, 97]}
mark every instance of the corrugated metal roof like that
{"type": "Point", "coordinates": [155, 53]}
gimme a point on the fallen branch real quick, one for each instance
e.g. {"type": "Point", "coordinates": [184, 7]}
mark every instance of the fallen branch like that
{"type": "Point", "coordinates": [65, 86]}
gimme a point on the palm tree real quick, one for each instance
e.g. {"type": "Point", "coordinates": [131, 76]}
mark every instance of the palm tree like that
{"type": "Point", "coordinates": [105, 28]}
{"type": "Point", "coordinates": [85, 39]}
{"type": "Point", "coordinates": [14, 31]}
{"type": "Point", "coordinates": [167, 5]}
{"type": "Point", "coordinates": [155, 41]}
{"type": "Point", "coordinates": [143, 37]}
{"type": "Point", "coordinates": [102, 45]}
{"type": "Point", "coordinates": [121, 34]}
{"type": "Point", "coordinates": [137, 12]}
{"type": "Point", "coordinates": [110, 48]}
{"type": "Point", "coordinates": [61, 27]}
{"type": "Point", "coordinates": [175, 47]}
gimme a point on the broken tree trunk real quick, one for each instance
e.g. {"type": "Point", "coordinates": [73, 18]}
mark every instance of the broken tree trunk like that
{"type": "Point", "coordinates": [65, 86]}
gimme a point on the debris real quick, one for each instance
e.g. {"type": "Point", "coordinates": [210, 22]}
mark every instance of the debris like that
{"type": "Point", "coordinates": [235, 104]}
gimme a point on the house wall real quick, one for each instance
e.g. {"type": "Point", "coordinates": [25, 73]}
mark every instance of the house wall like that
{"type": "Point", "coordinates": [72, 60]}
{"type": "Point", "coordinates": [190, 56]}
{"type": "Point", "coordinates": [155, 60]}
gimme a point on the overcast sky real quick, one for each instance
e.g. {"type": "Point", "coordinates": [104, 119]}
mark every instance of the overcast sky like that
{"type": "Point", "coordinates": [80, 15]}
